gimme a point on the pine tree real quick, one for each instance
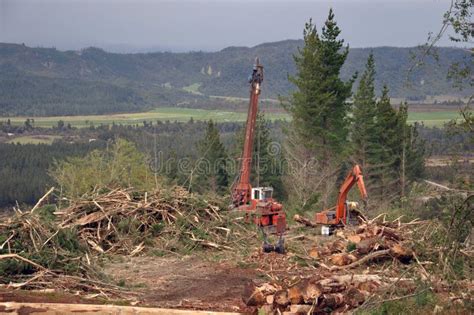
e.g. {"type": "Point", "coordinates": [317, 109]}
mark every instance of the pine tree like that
{"type": "Point", "coordinates": [401, 158]}
{"type": "Point", "coordinates": [412, 150]}
{"type": "Point", "coordinates": [319, 107]}
{"type": "Point", "coordinates": [390, 141]}
{"type": "Point", "coordinates": [212, 165]}
{"type": "Point", "coordinates": [364, 133]}
{"type": "Point", "coordinates": [320, 124]}
{"type": "Point", "coordinates": [266, 158]}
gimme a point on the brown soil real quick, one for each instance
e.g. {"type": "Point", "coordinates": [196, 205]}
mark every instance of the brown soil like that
{"type": "Point", "coordinates": [188, 282]}
{"type": "Point", "coordinates": [168, 282]}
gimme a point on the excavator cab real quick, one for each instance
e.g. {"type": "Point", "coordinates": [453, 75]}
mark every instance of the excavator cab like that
{"type": "Point", "coordinates": [262, 193]}
{"type": "Point", "coordinates": [342, 213]}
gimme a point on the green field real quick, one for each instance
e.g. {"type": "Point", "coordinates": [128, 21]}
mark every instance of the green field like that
{"type": "Point", "coordinates": [43, 139]}
{"type": "Point", "coordinates": [434, 118]}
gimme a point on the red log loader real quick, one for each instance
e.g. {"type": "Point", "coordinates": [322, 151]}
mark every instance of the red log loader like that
{"type": "Point", "coordinates": [257, 202]}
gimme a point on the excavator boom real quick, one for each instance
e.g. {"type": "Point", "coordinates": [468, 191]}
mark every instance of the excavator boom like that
{"type": "Point", "coordinates": [354, 176]}
{"type": "Point", "coordinates": [339, 216]}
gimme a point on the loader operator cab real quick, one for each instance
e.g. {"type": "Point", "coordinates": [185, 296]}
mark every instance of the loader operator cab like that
{"type": "Point", "coordinates": [262, 193]}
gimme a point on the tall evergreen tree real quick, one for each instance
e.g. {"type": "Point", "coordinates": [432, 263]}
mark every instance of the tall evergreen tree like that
{"type": "Point", "coordinates": [390, 140]}
{"type": "Point", "coordinates": [412, 150]}
{"type": "Point", "coordinates": [318, 106]}
{"type": "Point", "coordinates": [401, 158]}
{"type": "Point", "coordinates": [212, 165]}
{"type": "Point", "coordinates": [320, 124]}
{"type": "Point", "coordinates": [267, 158]}
{"type": "Point", "coordinates": [364, 133]}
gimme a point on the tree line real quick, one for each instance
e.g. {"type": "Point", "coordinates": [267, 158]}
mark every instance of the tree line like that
{"type": "Point", "coordinates": [24, 167]}
{"type": "Point", "coordinates": [328, 134]}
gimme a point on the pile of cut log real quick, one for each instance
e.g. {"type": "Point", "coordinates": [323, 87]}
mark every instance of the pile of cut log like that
{"type": "Point", "coordinates": [336, 284]}
{"type": "Point", "coordinates": [315, 294]}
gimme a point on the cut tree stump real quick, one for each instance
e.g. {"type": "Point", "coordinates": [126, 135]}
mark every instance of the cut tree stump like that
{"type": "Point", "coordinates": [354, 239]}
{"type": "Point", "coordinates": [252, 296]}
{"type": "Point", "coordinates": [269, 299]}
{"type": "Point", "coordinates": [281, 298]}
{"type": "Point", "coordinates": [312, 292]}
{"type": "Point", "coordinates": [295, 294]}
{"type": "Point", "coordinates": [314, 253]}
{"type": "Point", "coordinates": [333, 300]}
{"type": "Point", "coordinates": [401, 253]}
{"type": "Point", "coordinates": [343, 259]}
{"type": "Point", "coordinates": [354, 297]}
{"type": "Point", "coordinates": [305, 291]}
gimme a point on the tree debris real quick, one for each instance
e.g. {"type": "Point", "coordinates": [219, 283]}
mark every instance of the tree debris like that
{"type": "Point", "coordinates": [41, 251]}
{"type": "Point", "coordinates": [335, 287]}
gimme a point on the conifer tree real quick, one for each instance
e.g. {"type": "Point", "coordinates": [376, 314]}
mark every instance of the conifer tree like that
{"type": "Point", "coordinates": [364, 133]}
{"type": "Point", "coordinates": [412, 150]}
{"type": "Point", "coordinates": [320, 120]}
{"type": "Point", "coordinates": [318, 106]}
{"type": "Point", "coordinates": [401, 158]}
{"type": "Point", "coordinates": [390, 142]}
{"type": "Point", "coordinates": [266, 158]}
{"type": "Point", "coordinates": [212, 165]}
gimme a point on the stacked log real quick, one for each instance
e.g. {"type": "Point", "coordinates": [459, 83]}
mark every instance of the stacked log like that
{"type": "Point", "coordinates": [338, 288]}
{"type": "Point", "coordinates": [314, 294]}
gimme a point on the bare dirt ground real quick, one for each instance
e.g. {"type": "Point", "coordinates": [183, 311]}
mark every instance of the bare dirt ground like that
{"type": "Point", "coordinates": [166, 282]}
{"type": "Point", "coordinates": [204, 281]}
{"type": "Point", "coordinates": [188, 282]}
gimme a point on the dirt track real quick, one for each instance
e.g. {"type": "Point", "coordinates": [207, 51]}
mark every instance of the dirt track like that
{"type": "Point", "coordinates": [184, 283]}
{"type": "Point", "coordinates": [188, 282]}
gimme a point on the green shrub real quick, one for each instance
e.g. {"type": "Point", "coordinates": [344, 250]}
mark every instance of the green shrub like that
{"type": "Point", "coordinates": [120, 165]}
{"type": "Point", "coordinates": [351, 247]}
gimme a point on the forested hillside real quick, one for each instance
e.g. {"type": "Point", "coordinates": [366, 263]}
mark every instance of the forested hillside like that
{"type": "Point", "coordinates": [45, 81]}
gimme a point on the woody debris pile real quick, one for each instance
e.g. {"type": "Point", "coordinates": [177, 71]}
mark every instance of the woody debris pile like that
{"type": "Point", "coordinates": [348, 269]}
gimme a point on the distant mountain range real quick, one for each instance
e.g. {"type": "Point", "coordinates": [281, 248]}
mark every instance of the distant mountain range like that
{"type": "Point", "coordinates": [45, 81]}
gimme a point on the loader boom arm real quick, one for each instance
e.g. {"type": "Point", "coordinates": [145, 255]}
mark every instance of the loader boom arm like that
{"type": "Point", "coordinates": [241, 192]}
{"type": "Point", "coordinates": [355, 176]}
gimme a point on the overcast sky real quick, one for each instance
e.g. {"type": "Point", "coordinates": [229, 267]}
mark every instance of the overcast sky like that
{"type": "Point", "coordinates": [181, 25]}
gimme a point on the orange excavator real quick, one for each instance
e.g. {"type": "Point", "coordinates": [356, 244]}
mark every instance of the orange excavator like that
{"type": "Point", "coordinates": [339, 215]}
{"type": "Point", "coordinates": [257, 202]}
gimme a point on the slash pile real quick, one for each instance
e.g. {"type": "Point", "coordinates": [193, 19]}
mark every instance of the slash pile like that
{"type": "Point", "coordinates": [59, 249]}
{"type": "Point", "coordinates": [36, 254]}
{"type": "Point", "coordinates": [351, 266]}
{"type": "Point", "coordinates": [125, 221]}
